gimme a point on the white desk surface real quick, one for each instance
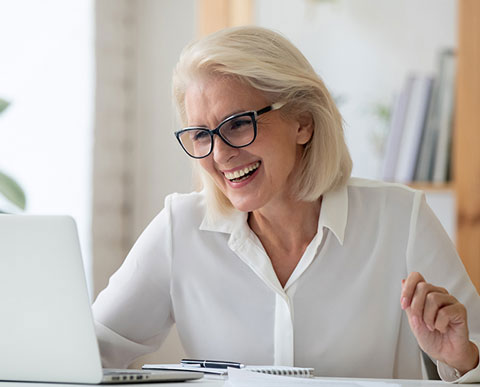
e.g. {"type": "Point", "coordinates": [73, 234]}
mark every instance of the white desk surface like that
{"type": "Point", "coordinates": [220, 382]}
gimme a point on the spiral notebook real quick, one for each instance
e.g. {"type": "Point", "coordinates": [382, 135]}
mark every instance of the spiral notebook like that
{"type": "Point", "coordinates": [282, 370]}
{"type": "Point", "coordinates": [272, 370]}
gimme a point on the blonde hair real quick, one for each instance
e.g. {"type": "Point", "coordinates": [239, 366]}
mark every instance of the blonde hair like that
{"type": "Point", "coordinates": [268, 62]}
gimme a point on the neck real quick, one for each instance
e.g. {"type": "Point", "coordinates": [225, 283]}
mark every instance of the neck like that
{"type": "Point", "coordinates": [285, 232]}
{"type": "Point", "coordinates": [290, 226]}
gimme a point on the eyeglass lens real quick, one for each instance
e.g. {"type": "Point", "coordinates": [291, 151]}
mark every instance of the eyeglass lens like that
{"type": "Point", "coordinates": [237, 131]}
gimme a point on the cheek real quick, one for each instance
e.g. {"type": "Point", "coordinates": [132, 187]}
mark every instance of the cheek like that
{"type": "Point", "coordinates": [207, 166]}
{"type": "Point", "coordinates": [284, 149]}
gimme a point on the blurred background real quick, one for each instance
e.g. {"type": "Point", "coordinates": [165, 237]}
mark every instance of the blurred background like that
{"type": "Point", "coordinates": [87, 120]}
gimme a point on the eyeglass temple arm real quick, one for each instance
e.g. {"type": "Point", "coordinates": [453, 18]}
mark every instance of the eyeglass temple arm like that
{"type": "Point", "coordinates": [275, 106]}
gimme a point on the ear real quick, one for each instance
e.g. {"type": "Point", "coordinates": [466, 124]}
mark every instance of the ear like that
{"type": "Point", "coordinates": [305, 128]}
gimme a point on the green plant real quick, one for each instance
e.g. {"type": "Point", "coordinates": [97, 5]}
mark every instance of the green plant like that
{"type": "Point", "coordinates": [381, 113]}
{"type": "Point", "coordinates": [9, 188]}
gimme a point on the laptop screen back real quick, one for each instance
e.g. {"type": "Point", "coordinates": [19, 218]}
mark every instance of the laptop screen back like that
{"type": "Point", "coordinates": [46, 326]}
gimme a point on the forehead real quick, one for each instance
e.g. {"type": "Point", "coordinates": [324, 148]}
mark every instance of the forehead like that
{"type": "Point", "coordinates": [209, 100]}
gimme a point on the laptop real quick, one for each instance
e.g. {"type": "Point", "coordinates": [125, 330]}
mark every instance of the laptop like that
{"type": "Point", "coordinates": [46, 326]}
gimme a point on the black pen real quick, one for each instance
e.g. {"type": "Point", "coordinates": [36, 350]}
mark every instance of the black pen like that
{"type": "Point", "coordinates": [211, 363]}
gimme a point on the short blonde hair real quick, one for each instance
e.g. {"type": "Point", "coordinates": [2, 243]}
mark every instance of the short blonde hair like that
{"type": "Point", "coordinates": [268, 62]}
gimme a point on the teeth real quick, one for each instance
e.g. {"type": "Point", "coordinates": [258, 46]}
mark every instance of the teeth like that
{"type": "Point", "coordinates": [241, 172]}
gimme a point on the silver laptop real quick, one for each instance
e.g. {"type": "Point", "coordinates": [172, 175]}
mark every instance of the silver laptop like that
{"type": "Point", "coordinates": [46, 325]}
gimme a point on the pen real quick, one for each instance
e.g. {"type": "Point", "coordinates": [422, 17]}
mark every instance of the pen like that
{"type": "Point", "coordinates": [211, 363]}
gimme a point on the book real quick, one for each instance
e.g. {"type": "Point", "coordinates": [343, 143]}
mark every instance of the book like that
{"type": "Point", "coordinates": [413, 128]}
{"type": "Point", "coordinates": [395, 131]}
{"type": "Point", "coordinates": [426, 157]}
{"type": "Point", "coordinates": [445, 119]}
{"type": "Point", "coordinates": [272, 370]}
{"type": "Point", "coordinates": [434, 150]}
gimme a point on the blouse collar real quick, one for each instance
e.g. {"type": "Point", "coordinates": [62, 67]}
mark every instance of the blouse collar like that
{"type": "Point", "coordinates": [333, 216]}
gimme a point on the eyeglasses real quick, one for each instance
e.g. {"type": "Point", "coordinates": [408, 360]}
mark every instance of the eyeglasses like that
{"type": "Point", "coordinates": [238, 131]}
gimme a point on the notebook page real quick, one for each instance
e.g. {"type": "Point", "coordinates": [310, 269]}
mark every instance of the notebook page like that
{"type": "Point", "coordinates": [243, 378]}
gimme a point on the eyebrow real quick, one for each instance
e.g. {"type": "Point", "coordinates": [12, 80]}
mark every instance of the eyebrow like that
{"type": "Point", "coordinates": [222, 119]}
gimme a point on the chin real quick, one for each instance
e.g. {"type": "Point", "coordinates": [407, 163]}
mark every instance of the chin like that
{"type": "Point", "coordinates": [245, 205]}
{"type": "Point", "coordinates": [243, 208]}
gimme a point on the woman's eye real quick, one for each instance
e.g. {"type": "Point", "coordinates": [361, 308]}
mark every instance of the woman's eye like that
{"type": "Point", "coordinates": [237, 124]}
{"type": "Point", "coordinates": [199, 135]}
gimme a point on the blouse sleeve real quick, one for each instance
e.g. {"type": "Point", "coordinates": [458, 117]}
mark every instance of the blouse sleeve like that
{"type": "Point", "coordinates": [133, 313]}
{"type": "Point", "coordinates": [431, 252]}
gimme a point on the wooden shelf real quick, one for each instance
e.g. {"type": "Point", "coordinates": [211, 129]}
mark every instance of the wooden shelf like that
{"type": "Point", "coordinates": [214, 15]}
{"type": "Point", "coordinates": [429, 186]}
{"type": "Point", "coordinates": [466, 156]}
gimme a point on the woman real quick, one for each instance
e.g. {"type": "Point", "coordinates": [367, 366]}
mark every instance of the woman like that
{"type": "Point", "coordinates": [282, 258]}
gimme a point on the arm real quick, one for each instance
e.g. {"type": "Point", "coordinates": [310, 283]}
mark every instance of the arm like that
{"type": "Point", "coordinates": [133, 314]}
{"type": "Point", "coordinates": [439, 320]}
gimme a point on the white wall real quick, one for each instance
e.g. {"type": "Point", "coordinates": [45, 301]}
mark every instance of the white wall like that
{"type": "Point", "coordinates": [137, 159]}
{"type": "Point", "coordinates": [161, 166]}
{"type": "Point", "coordinates": [363, 50]}
{"type": "Point", "coordinates": [46, 71]}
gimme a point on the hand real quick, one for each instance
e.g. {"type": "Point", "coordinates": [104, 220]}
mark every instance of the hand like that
{"type": "Point", "coordinates": [439, 322]}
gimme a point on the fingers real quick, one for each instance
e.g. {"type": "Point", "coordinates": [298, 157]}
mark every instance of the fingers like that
{"type": "Point", "coordinates": [454, 313]}
{"type": "Point", "coordinates": [427, 303]}
{"type": "Point", "coordinates": [426, 295]}
{"type": "Point", "coordinates": [439, 322]}
{"type": "Point", "coordinates": [415, 290]}
{"type": "Point", "coordinates": [436, 305]}
{"type": "Point", "coordinates": [408, 288]}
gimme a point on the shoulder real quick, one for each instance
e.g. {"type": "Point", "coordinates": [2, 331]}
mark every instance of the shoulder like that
{"type": "Point", "coordinates": [181, 214]}
{"type": "Point", "coordinates": [377, 188]}
{"type": "Point", "coordinates": [377, 185]}
{"type": "Point", "coordinates": [189, 208]}
{"type": "Point", "coordinates": [383, 196]}
{"type": "Point", "coordinates": [185, 200]}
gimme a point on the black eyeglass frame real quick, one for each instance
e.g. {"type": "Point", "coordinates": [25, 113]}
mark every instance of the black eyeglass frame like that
{"type": "Point", "coordinates": [252, 114]}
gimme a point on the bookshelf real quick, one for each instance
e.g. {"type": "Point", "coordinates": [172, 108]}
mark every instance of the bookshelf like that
{"type": "Point", "coordinates": [449, 186]}
{"type": "Point", "coordinates": [466, 140]}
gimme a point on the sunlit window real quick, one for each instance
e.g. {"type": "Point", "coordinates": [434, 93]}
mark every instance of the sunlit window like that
{"type": "Point", "coordinates": [47, 75]}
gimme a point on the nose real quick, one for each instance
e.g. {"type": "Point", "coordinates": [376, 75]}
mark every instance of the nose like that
{"type": "Point", "coordinates": [222, 152]}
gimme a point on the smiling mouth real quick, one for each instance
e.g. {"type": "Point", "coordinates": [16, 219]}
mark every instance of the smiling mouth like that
{"type": "Point", "coordinates": [242, 174]}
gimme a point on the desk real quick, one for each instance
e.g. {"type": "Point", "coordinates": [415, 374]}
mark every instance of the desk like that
{"type": "Point", "coordinates": [220, 382]}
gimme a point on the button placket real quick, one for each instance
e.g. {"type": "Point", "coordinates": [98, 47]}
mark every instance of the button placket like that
{"type": "Point", "coordinates": [283, 331]}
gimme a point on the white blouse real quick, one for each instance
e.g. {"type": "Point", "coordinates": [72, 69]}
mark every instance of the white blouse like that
{"type": "Point", "coordinates": [339, 312]}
